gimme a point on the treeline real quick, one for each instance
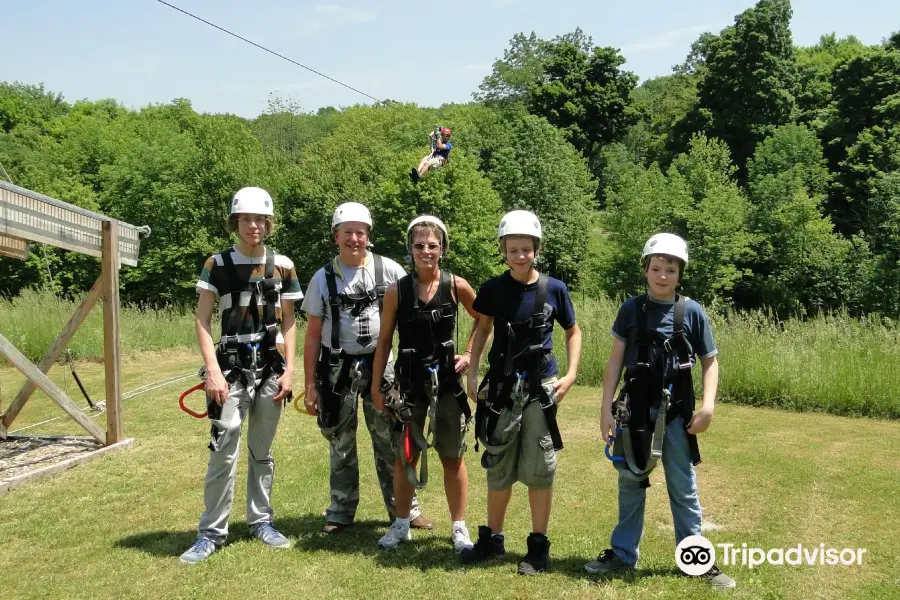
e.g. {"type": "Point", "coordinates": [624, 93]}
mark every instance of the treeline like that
{"type": "Point", "coordinates": [778, 163]}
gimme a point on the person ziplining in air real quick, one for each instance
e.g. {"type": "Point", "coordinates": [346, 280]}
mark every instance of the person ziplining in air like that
{"type": "Point", "coordinates": [439, 155]}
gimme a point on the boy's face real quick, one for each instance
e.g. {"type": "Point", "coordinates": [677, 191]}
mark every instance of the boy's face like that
{"type": "Point", "coordinates": [662, 276]}
{"type": "Point", "coordinates": [252, 228]}
{"type": "Point", "coordinates": [520, 253]}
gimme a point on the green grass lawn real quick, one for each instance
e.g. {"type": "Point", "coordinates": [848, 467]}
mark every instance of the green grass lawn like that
{"type": "Point", "coordinates": [114, 527]}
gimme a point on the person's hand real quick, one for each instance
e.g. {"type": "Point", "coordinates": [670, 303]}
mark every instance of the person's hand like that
{"type": "Point", "coordinates": [700, 421]}
{"type": "Point", "coordinates": [311, 401]}
{"type": "Point", "coordinates": [462, 362]}
{"type": "Point", "coordinates": [561, 387]}
{"type": "Point", "coordinates": [286, 385]}
{"type": "Point", "coordinates": [607, 425]}
{"type": "Point", "coordinates": [216, 386]}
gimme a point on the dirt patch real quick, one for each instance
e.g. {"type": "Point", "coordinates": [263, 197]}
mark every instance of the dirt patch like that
{"type": "Point", "coordinates": [19, 455]}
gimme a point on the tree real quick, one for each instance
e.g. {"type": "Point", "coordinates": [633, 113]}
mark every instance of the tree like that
{"type": "Point", "coordinates": [523, 67]}
{"type": "Point", "coordinates": [749, 83]}
{"type": "Point", "coordinates": [800, 262]}
{"type": "Point", "coordinates": [586, 95]}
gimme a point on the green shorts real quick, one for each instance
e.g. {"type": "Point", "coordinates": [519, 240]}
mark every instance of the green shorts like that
{"type": "Point", "coordinates": [449, 426]}
{"type": "Point", "coordinates": [529, 456]}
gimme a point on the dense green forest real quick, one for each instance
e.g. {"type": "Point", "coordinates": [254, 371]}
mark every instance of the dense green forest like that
{"type": "Point", "coordinates": [778, 164]}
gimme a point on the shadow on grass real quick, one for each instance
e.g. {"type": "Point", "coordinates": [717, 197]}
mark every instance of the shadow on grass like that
{"type": "Point", "coordinates": [427, 551]}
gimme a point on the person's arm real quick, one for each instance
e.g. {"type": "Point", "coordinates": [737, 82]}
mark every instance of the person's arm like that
{"type": "Point", "coordinates": [703, 417]}
{"type": "Point", "coordinates": [482, 332]}
{"type": "Point", "coordinates": [383, 346]}
{"type": "Point", "coordinates": [466, 297]}
{"type": "Point", "coordinates": [289, 332]}
{"type": "Point", "coordinates": [312, 342]}
{"type": "Point", "coordinates": [611, 375]}
{"type": "Point", "coordinates": [216, 386]}
{"type": "Point", "coordinates": [573, 354]}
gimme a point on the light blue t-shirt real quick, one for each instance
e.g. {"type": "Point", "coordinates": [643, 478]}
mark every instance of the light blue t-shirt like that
{"type": "Point", "coordinates": [660, 317]}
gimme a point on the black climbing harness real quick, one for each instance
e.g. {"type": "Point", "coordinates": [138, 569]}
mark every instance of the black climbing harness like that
{"type": "Point", "coordinates": [350, 367]}
{"type": "Point", "coordinates": [638, 442]}
{"type": "Point", "coordinates": [506, 382]}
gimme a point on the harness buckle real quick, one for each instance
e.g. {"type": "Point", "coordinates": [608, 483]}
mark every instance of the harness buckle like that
{"type": "Point", "coordinates": [355, 377]}
{"type": "Point", "coordinates": [334, 357]}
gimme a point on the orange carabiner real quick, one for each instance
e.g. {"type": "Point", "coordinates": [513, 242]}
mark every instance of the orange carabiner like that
{"type": "Point", "coordinates": [199, 386]}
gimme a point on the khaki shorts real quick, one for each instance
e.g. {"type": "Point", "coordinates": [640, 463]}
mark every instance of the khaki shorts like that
{"type": "Point", "coordinates": [449, 426]}
{"type": "Point", "coordinates": [435, 162]}
{"type": "Point", "coordinates": [529, 456]}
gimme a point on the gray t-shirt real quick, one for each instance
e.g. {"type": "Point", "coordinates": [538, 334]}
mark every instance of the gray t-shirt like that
{"type": "Point", "coordinates": [660, 316]}
{"type": "Point", "coordinates": [358, 335]}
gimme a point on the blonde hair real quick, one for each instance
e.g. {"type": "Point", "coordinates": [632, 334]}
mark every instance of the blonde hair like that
{"type": "Point", "coordinates": [535, 241]}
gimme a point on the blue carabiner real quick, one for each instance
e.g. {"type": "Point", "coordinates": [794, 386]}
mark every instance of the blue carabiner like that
{"type": "Point", "coordinates": [609, 445]}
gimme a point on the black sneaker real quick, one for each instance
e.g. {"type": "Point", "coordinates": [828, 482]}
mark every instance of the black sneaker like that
{"type": "Point", "coordinates": [537, 560]}
{"type": "Point", "coordinates": [489, 545]}
{"type": "Point", "coordinates": [414, 175]}
{"type": "Point", "coordinates": [719, 580]}
{"type": "Point", "coordinates": [606, 562]}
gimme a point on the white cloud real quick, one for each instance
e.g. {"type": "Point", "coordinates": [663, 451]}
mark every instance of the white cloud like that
{"type": "Point", "coordinates": [670, 38]}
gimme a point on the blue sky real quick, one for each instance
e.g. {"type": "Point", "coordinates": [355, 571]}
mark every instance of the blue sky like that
{"type": "Point", "coordinates": [141, 52]}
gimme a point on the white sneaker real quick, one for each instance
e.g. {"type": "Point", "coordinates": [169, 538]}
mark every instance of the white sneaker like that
{"type": "Point", "coordinates": [460, 538]}
{"type": "Point", "coordinates": [396, 534]}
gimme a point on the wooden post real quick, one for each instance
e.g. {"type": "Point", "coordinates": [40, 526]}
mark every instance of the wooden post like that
{"type": "Point", "coordinates": [29, 370]}
{"type": "Point", "coordinates": [81, 313]}
{"type": "Point", "coordinates": [111, 346]}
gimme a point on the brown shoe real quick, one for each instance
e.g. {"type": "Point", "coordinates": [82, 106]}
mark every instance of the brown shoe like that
{"type": "Point", "coordinates": [421, 522]}
{"type": "Point", "coordinates": [332, 527]}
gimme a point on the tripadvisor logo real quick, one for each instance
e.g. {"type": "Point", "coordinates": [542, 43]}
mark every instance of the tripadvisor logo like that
{"type": "Point", "coordinates": [696, 555]}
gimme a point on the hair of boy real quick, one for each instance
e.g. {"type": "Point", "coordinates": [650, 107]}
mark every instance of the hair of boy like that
{"type": "Point", "coordinates": [536, 242]}
{"type": "Point", "coordinates": [231, 224]}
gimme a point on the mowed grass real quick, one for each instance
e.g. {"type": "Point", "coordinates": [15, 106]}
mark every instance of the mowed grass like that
{"type": "Point", "coordinates": [114, 527]}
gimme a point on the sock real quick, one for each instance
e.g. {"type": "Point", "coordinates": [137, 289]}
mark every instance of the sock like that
{"type": "Point", "coordinates": [403, 522]}
{"type": "Point", "coordinates": [458, 524]}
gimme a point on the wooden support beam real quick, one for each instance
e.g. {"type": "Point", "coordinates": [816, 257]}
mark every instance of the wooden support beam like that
{"type": "Point", "coordinates": [62, 340]}
{"type": "Point", "coordinates": [111, 344]}
{"type": "Point", "coordinates": [12, 483]}
{"type": "Point", "coordinates": [30, 371]}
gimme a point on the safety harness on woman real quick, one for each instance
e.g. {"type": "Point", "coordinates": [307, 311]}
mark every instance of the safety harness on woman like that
{"type": "Point", "coordinates": [426, 364]}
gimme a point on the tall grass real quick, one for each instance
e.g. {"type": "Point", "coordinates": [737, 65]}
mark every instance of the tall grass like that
{"type": "Point", "coordinates": [834, 363]}
{"type": "Point", "coordinates": [32, 320]}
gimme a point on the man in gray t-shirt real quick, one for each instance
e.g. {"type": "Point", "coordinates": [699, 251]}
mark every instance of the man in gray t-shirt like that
{"type": "Point", "coordinates": [336, 377]}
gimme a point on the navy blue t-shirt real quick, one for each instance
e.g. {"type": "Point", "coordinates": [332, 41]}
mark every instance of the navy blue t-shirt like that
{"type": "Point", "coordinates": [504, 297]}
{"type": "Point", "coordinates": [660, 316]}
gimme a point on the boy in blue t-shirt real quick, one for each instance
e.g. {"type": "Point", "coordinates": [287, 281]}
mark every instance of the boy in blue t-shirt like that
{"type": "Point", "coordinates": [665, 388]}
{"type": "Point", "coordinates": [438, 157]}
{"type": "Point", "coordinates": [516, 413]}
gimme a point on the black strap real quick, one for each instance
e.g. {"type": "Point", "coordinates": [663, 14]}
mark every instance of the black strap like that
{"type": "Point", "coordinates": [334, 301]}
{"type": "Point", "coordinates": [379, 282]}
{"type": "Point", "coordinates": [234, 283]}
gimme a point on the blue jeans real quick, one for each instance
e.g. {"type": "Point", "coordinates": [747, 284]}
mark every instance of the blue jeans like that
{"type": "Point", "coordinates": [681, 483]}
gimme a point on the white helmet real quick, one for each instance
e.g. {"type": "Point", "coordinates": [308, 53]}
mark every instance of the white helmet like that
{"type": "Point", "coordinates": [519, 222]}
{"type": "Point", "coordinates": [445, 241]}
{"type": "Point", "coordinates": [252, 200]}
{"type": "Point", "coordinates": [668, 244]}
{"type": "Point", "coordinates": [351, 212]}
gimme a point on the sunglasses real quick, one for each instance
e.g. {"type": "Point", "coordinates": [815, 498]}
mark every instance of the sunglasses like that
{"type": "Point", "coordinates": [419, 247]}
